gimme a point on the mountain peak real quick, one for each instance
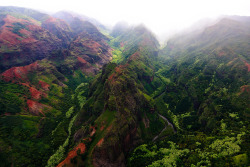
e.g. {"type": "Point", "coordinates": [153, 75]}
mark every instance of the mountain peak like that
{"type": "Point", "coordinates": [69, 16]}
{"type": "Point", "coordinates": [119, 28]}
{"type": "Point", "coordinates": [69, 91]}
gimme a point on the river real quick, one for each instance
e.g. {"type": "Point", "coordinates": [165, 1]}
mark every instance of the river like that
{"type": "Point", "coordinates": [168, 124]}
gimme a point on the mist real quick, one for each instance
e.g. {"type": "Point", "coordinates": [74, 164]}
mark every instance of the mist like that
{"type": "Point", "coordinates": [163, 17]}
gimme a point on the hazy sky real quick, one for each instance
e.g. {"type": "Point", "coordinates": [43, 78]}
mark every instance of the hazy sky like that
{"type": "Point", "coordinates": [159, 15]}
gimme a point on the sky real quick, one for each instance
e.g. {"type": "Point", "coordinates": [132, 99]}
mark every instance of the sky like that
{"type": "Point", "coordinates": [160, 16]}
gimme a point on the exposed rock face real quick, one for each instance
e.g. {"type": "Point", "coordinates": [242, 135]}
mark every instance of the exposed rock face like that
{"type": "Point", "coordinates": [36, 108]}
{"type": "Point", "coordinates": [47, 58]}
{"type": "Point", "coordinates": [19, 73]}
{"type": "Point", "coordinates": [72, 154]}
{"type": "Point", "coordinates": [24, 41]}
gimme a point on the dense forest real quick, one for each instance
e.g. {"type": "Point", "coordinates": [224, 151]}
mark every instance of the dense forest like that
{"type": "Point", "coordinates": [74, 93]}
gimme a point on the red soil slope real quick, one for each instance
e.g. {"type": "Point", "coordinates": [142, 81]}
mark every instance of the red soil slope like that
{"type": "Point", "coordinates": [100, 142]}
{"type": "Point", "coordinates": [44, 85]}
{"type": "Point", "coordinates": [9, 38]}
{"type": "Point", "coordinates": [73, 154]}
{"type": "Point", "coordinates": [248, 66]}
{"type": "Point", "coordinates": [19, 74]}
{"type": "Point", "coordinates": [36, 108]}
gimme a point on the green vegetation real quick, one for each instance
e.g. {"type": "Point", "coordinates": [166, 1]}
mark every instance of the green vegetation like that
{"type": "Point", "coordinates": [59, 154]}
{"type": "Point", "coordinates": [199, 82]}
{"type": "Point", "coordinates": [82, 91]}
{"type": "Point", "coordinates": [153, 157]}
{"type": "Point", "coordinates": [24, 13]}
{"type": "Point", "coordinates": [80, 98]}
{"type": "Point", "coordinates": [11, 100]}
{"type": "Point", "coordinates": [69, 112]}
{"type": "Point", "coordinates": [117, 56]}
{"type": "Point", "coordinates": [202, 96]}
{"type": "Point", "coordinates": [20, 132]}
{"type": "Point", "coordinates": [191, 151]}
{"type": "Point", "coordinates": [18, 26]}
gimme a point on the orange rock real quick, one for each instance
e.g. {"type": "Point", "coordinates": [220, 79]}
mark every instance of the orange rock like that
{"type": "Point", "coordinates": [100, 142]}
{"type": "Point", "coordinates": [81, 60]}
{"type": "Point", "coordinates": [35, 108]}
{"type": "Point", "coordinates": [44, 85]}
{"type": "Point", "coordinates": [73, 154]}
{"type": "Point", "coordinates": [35, 94]}
{"type": "Point", "coordinates": [248, 66]}
{"type": "Point", "coordinates": [93, 130]}
{"type": "Point", "coordinates": [19, 73]}
{"type": "Point", "coordinates": [102, 127]}
{"type": "Point", "coordinates": [12, 39]}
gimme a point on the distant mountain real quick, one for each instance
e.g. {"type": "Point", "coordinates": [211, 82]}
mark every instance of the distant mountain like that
{"type": "Point", "coordinates": [69, 17]}
{"type": "Point", "coordinates": [71, 96]}
{"type": "Point", "coordinates": [23, 11]}
{"type": "Point", "coordinates": [231, 32]}
{"type": "Point", "coordinates": [119, 29]}
{"type": "Point", "coordinates": [205, 63]}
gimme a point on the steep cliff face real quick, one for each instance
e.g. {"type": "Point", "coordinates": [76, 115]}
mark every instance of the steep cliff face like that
{"type": "Point", "coordinates": [125, 94]}
{"type": "Point", "coordinates": [129, 105]}
{"type": "Point", "coordinates": [28, 35]}
{"type": "Point", "coordinates": [118, 103]}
